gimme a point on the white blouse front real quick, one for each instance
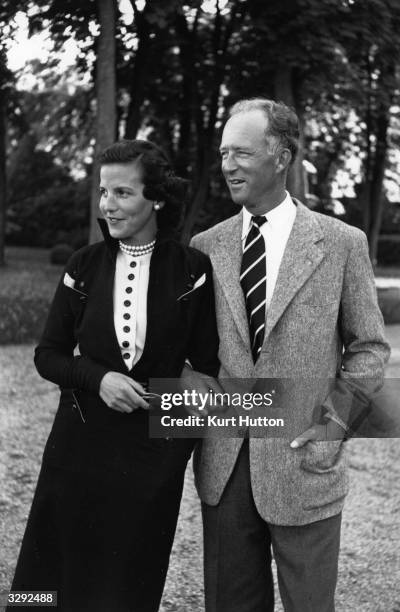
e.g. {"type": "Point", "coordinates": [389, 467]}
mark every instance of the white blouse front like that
{"type": "Point", "coordinates": [130, 304]}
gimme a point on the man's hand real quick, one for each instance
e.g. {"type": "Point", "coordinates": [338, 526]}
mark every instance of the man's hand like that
{"type": "Point", "coordinates": [122, 393]}
{"type": "Point", "coordinates": [330, 431]}
{"type": "Point", "coordinates": [204, 386]}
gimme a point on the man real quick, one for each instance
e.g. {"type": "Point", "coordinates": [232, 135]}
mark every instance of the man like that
{"type": "Point", "coordinates": [296, 301]}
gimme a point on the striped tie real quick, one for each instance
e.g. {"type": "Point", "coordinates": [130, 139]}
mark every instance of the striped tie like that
{"type": "Point", "coordinates": [253, 281]}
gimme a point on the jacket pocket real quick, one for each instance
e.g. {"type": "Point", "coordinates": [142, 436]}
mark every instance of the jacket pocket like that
{"type": "Point", "coordinates": [321, 456]}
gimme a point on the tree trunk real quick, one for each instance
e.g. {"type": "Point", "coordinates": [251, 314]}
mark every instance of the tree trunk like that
{"type": "Point", "coordinates": [106, 99]}
{"type": "Point", "coordinates": [376, 195]}
{"type": "Point", "coordinates": [3, 193]}
{"type": "Point", "coordinates": [205, 135]}
{"type": "Point", "coordinates": [284, 92]}
{"type": "Point", "coordinates": [365, 193]}
{"type": "Point", "coordinates": [199, 198]}
{"type": "Point", "coordinates": [139, 76]}
{"type": "Point", "coordinates": [189, 100]}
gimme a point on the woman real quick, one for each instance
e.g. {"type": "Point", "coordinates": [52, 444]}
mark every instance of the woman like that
{"type": "Point", "coordinates": [104, 514]}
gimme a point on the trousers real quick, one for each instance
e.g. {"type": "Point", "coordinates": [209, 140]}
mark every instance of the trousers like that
{"type": "Point", "coordinates": [238, 549]}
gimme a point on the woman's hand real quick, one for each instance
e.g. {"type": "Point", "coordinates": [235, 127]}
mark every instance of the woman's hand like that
{"type": "Point", "coordinates": [122, 393]}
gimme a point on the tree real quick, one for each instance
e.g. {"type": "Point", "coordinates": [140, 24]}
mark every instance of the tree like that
{"type": "Point", "coordinates": [3, 131]}
{"type": "Point", "coordinates": [77, 19]}
{"type": "Point", "coordinates": [7, 12]}
{"type": "Point", "coordinates": [180, 65]}
{"type": "Point", "coordinates": [106, 119]}
{"type": "Point", "coordinates": [375, 57]}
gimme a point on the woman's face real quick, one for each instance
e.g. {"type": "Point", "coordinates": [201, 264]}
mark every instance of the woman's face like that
{"type": "Point", "coordinates": [130, 217]}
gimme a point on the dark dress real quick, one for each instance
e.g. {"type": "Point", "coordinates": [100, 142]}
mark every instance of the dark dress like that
{"type": "Point", "coordinates": [104, 513]}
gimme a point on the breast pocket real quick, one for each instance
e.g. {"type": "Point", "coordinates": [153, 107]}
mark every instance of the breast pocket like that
{"type": "Point", "coordinates": [77, 301]}
{"type": "Point", "coordinates": [317, 307]}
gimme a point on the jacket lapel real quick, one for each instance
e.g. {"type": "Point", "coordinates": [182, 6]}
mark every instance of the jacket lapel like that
{"type": "Point", "coordinates": [226, 259]}
{"type": "Point", "coordinates": [302, 256]}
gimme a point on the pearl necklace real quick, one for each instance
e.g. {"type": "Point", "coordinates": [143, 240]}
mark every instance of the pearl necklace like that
{"type": "Point", "coordinates": [137, 250]}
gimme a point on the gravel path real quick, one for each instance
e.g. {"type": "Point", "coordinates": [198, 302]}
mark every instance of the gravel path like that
{"type": "Point", "coordinates": [369, 574]}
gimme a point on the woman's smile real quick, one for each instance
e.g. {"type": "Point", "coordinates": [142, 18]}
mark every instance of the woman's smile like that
{"type": "Point", "coordinates": [129, 215]}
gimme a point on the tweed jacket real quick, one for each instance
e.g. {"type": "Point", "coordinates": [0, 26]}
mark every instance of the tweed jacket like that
{"type": "Point", "coordinates": [86, 431]}
{"type": "Point", "coordinates": [323, 340]}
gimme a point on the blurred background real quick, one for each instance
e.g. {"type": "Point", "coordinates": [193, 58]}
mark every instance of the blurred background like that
{"type": "Point", "coordinates": [76, 75]}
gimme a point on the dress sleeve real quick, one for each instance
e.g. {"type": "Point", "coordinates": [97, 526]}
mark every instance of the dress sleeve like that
{"type": "Point", "coordinates": [204, 341]}
{"type": "Point", "coordinates": [54, 356]}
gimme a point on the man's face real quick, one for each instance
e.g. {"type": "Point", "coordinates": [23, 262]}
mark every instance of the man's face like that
{"type": "Point", "coordinates": [249, 163]}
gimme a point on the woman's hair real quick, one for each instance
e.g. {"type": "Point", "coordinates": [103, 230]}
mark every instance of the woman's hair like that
{"type": "Point", "coordinates": [160, 182]}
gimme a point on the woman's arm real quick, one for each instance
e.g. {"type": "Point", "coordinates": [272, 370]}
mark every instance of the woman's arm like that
{"type": "Point", "coordinates": [54, 356]}
{"type": "Point", "coordinates": [55, 359]}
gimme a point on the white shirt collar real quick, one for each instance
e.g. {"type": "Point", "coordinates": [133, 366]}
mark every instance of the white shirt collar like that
{"type": "Point", "coordinates": [278, 217]}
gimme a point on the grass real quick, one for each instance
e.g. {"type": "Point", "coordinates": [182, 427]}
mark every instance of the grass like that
{"type": "Point", "coordinates": [387, 271]}
{"type": "Point", "coordinates": [28, 273]}
{"type": "Point", "coordinates": [27, 285]}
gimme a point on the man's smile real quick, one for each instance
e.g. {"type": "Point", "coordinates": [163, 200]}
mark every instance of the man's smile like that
{"type": "Point", "coordinates": [236, 182]}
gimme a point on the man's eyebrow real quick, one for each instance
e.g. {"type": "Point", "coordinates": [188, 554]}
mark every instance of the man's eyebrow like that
{"type": "Point", "coordinates": [238, 148]}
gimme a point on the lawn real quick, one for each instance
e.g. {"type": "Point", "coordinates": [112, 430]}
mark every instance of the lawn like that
{"type": "Point", "coordinates": [28, 274]}
{"type": "Point", "coordinates": [27, 284]}
{"type": "Point", "coordinates": [388, 271]}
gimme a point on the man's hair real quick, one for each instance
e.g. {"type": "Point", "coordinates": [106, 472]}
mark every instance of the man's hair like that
{"type": "Point", "coordinates": [159, 180]}
{"type": "Point", "coordinates": [283, 123]}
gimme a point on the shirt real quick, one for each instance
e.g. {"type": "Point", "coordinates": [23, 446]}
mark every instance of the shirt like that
{"type": "Point", "coordinates": [276, 234]}
{"type": "Point", "coordinates": [131, 282]}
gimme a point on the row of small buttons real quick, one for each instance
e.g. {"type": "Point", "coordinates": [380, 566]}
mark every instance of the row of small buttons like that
{"type": "Point", "coordinates": [126, 315]}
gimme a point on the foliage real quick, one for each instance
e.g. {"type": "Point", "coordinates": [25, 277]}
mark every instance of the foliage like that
{"type": "Point", "coordinates": [46, 205]}
{"type": "Point", "coordinates": [60, 254]}
{"type": "Point", "coordinates": [389, 251]}
{"type": "Point", "coordinates": [180, 64]}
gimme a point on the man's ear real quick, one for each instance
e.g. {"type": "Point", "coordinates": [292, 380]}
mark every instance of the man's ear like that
{"type": "Point", "coordinates": [283, 160]}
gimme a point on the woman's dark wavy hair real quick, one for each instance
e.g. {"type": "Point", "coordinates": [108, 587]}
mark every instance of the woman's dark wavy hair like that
{"type": "Point", "coordinates": [160, 182]}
